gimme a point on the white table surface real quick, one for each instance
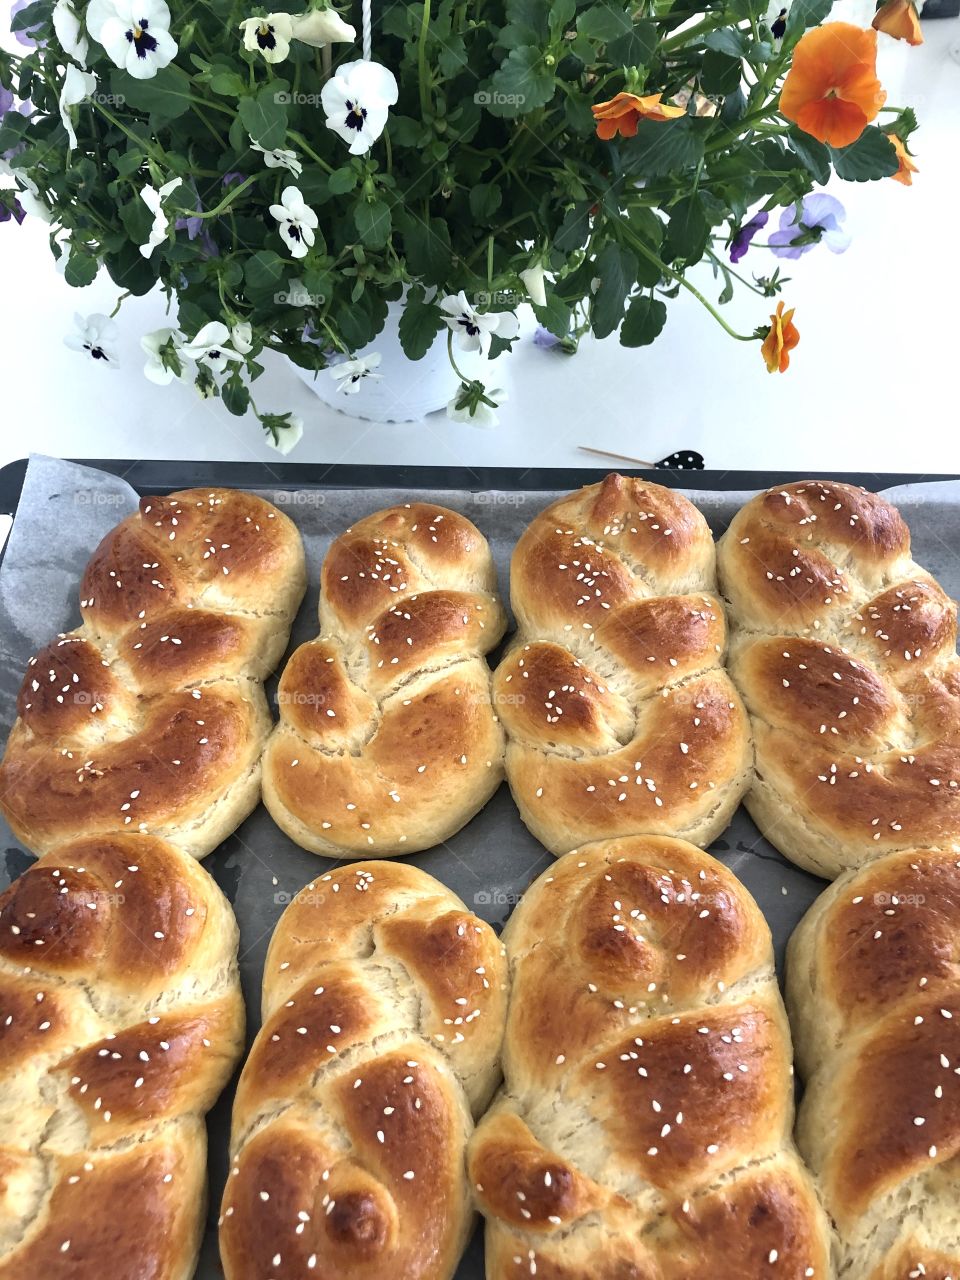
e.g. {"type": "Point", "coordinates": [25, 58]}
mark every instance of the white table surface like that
{"type": "Point", "coordinates": [874, 384]}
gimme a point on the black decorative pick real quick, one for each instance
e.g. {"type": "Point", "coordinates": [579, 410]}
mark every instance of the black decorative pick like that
{"type": "Point", "coordinates": [682, 460]}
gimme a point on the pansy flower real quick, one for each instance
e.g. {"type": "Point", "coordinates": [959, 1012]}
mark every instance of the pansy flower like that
{"type": "Point", "coordinates": [624, 111]}
{"type": "Point", "coordinates": [475, 405]}
{"type": "Point", "coordinates": [472, 329]}
{"type": "Point", "coordinates": [831, 90]}
{"type": "Point", "coordinates": [163, 350]}
{"type": "Point", "coordinates": [319, 27]}
{"type": "Point", "coordinates": [297, 222]}
{"type": "Point", "coordinates": [96, 337]}
{"type": "Point", "coordinates": [26, 38]}
{"type": "Point", "coordinates": [814, 219]}
{"type": "Point", "coordinates": [907, 168]}
{"type": "Point", "coordinates": [77, 87]}
{"type": "Point", "coordinates": [356, 101]}
{"type": "Point", "coordinates": [899, 18]}
{"type": "Point", "coordinates": [781, 339]}
{"type": "Point", "coordinates": [741, 241]}
{"type": "Point", "coordinates": [135, 34]}
{"type": "Point", "coordinates": [279, 158]}
{"type": "Point", "coordinates": [270, 35]}
{"type": "Point", "coordinates": [153, 199]}
{"type": "Point", "coordinates": [533, 281]}
{"type": "Point", "coordinates": [348, 374]}
{"type": "Point", "coordinates": [211, 348]}
{"type": "Point", "coordinates": [66, 24]}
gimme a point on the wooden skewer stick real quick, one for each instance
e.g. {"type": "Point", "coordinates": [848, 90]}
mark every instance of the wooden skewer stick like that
{"type": "Point", "coordinates": [605, 453]}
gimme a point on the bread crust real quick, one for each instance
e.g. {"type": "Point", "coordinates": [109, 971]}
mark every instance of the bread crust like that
{"type": "Point", "coordinates": [123, 1020]}
{"type": "Point", "coordinates": [643, 1129]}
{"type": "Point", "coordinates": [150, 716]}
{"type": "Point", "coordinates": [383, 1001]}
{"type": "Point", "coordinates": [844, 650]}
{"type": "Point", "coordinates": [388, 740]}
{"type": "Point", "coordinates": [620, 716]}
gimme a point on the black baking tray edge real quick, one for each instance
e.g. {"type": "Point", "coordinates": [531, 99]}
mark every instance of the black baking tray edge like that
{"type": "Point", "coordinates": [163, 475]}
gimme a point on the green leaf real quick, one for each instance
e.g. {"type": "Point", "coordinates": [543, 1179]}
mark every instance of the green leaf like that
{"type": "Point", "coordinates": [556, 316]}
{"type": "Point", "coordinates": [871, 156]}
{"type": "Point", "coordinates": [604, 21]}
{"type": "Point", "coordinates": [662, 147]}
{"type": "Point", "coordinates": [130, 270]}
{"type": "Point", "coordinates": [645, 224]}
{"type": "Point", "coordinates": [361, 322]}
{"type": "Point", "coordinates": [804, 14]}
{"type": "Point", "coordinates": [81, 268]}
{"type": "Point", "coordinates": [812, 154]}
{"type": "Point", "coordinates": [720, 73]}
{"type": "Point", "coordinates": [561, 15]}
{"type": "Point", "coordinates": [426, 247]}
{"type": "Point", "coordinates": [419, 325]}
{"type": "Point", "coordinates": [373, 222]}
{"type": "Point", "coordinates": [264, 272]}
{"type": "Point", "coordinates": [342, 180]}
{"type": "Point", "coordinates": [485, 200]}
{"type": "Point", "coordinates": [235, 394]}
{"type": "Point", "coordinates": [616, 269]}
{"type": "Point", "coordinates": [687, 230]}
{"type": "Point", "coordinates": [523, 83]}
{"type": "Point", "coordinates": [574, 229]}
{"type": "Point", "coordinates": [265, 116]}
{"type": "Point", "coordinates": [34, 15]}
{"type": "Point", "coordinates": [227, 83]}
{"type": "Point", "coordinates": [727, 40]}
{"type": "Point", "coordinates": [643, 322]}
{"type": "Point", "coordinates": [164, 97]}
{"type": "Point", "coordinates": [636, 48]}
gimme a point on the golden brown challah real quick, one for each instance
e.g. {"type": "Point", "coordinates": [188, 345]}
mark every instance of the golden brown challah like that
{"type": "Point", "coordinates": [845, 652]}
{"type": "Point", "coordinates": [383, 1004]}
{"type": "Point", "coordinates": [643, 1131]}
{"type": "Point", "coordinates": [120, 1022]}
{"type": "Point", "coordinates": [150, 716]}
{"type": "Point", "coordinates": [619, 715]}
{"type": "Point", "coordinates": [873, 989]}
{"type": "Point", "coordinates": [387, 741]}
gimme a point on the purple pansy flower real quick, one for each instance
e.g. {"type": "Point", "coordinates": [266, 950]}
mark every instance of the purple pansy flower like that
{"type": "Point", "coordinates": [544, 339]}
{"type": "Point", "coordinates": [23, 37]}
{"type": "Point", "coordinates": [17, 211]}
{"type": "Point", "coordinates": [803, 225]}
{"type": "Point", "coordinates": [232, 176]}
{"type": "Point", "coordinates": [196, 229]}
{"type": "Point", "coordinates": [6, 101]}
{"type": "Point", "coordinates": [741, 241]}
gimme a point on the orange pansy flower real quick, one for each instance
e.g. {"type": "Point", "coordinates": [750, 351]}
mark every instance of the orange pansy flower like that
{"type": "Point", "coordinates": [899, 18]}
{"type": "Point", "coordinates": [831, 90]}
{"type": "Point", "coordinates": [907, 168]}
{"type": "Point", "coordinates": [780, 341]}
{"type": "Point", "coordinates": [623, 112]}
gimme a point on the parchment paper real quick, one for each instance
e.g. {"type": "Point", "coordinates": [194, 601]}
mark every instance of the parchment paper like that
{"type": "Point", "coordinates": [66, 509]}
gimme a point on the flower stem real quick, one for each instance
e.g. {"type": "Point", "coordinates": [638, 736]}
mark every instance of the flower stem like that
{"type": "Point", "coordinates": [459, 372]}
{"type": "Point", "coordinates": [425, 106]}
{"type": "Point", "coordinates": [225, 203]}
{"type": "Point", "coordinates": [305, 146]}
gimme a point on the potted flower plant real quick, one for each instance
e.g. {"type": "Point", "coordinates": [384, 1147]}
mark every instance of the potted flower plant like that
{"type": "Point", "coordinates": [295, 185]}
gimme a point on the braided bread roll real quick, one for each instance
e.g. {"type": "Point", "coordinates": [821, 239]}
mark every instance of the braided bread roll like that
{"type": "Point", "coordinates": [383, 1003]}
{"type": "Point", "coordinates": [845, 653]}
{"type": "Point", "coordinates": [619, 715]}
{"type": "Point", "coordinates": [150, 717]}
{"type": "Point", "coordinates": [387, 740]}
{"type": "Point", "coordinates": [643, 1132]}
{"type": "Point", "coordinates": [874, 999]}
{"type": "Point", "coordinates": [121, 1020]}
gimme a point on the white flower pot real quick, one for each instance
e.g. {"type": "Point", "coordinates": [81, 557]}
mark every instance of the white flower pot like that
{"type": "Point", "coordinates": [407, 389]}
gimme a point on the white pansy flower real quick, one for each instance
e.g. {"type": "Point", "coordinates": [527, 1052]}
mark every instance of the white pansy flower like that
{"type": "Point", "coordinates": [297, 222]}
{"type": "Point", "coordinates": [77, 87]}
{"type": "Point", "coordinates": [288, 436]}
{"type": "Point", "coordinates": [278, 158]}
{"type": "Point", "coordinates": [356, 101]}
{"type": "Point", "coordinates": [155, 369]}
{"type": "Point", "coordinates": [350, 373]}
{"type": "Point", "coordinates": [154, 199]}
{"type": "Point", "coordinates": [66, 24]}
{"type": "Point", "coordinates": [482, 414]}
{"type": "Point", "coordinates": [472, 330]}
{"type": "Point", "coordinates": [135, 34]}
{"type": "Point", "coordinates": [270, 36]}
{"type": "Point", "coordinates": [533, 282]}
{"type": "Point", "coordinates": [96, 337]}
{"type": "Point", "coordinates": [320, 27]}
{"type": "Point", "coordinates": [211, 347]}
{"type": "Point", "coordinates": [241, 335]}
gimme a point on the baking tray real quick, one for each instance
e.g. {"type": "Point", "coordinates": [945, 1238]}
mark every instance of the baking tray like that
{"type": "Point", "coordinates": [492, 860]}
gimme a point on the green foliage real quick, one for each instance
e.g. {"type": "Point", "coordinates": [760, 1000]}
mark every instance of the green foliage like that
{"type": "Point", "coordinates": [490, 162]}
